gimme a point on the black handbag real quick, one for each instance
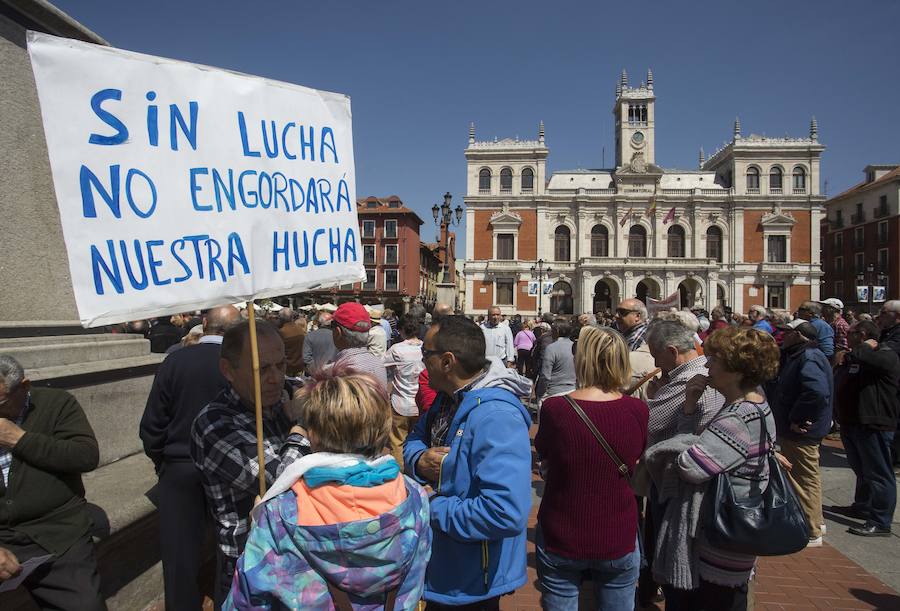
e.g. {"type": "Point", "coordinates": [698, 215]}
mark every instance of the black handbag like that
{"type": "Point", "coordinates": [772, 524]}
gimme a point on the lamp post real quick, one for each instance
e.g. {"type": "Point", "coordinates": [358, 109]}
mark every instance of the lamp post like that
{"type": "Point", "coordinates": [443, 217]}
{"type": "Point", "coordinates": [539, 271]}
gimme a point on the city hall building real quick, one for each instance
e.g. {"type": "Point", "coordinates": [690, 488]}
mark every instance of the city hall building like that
{"type": "Point", "coordinates": [742, 229]}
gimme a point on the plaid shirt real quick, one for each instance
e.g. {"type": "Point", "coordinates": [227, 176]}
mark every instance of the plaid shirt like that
{"type": "Point", "coordinates": [447, 410]}
{"type": "Point", "coordinates": [841, 328]}
{"type": "Point", "coordinates": [6, 455]}
{"type": "Point", "coordinates": [635, 336]}
{"type": "Point", "coordinates": [223, 447]}
{"type": "Point", "coordinates": [667, 404]}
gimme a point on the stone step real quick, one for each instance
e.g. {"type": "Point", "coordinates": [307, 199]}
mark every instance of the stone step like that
{"type": "Point", "coordinates": [43, 355]}
{"type": "Point", "coordinates": [16, 342]}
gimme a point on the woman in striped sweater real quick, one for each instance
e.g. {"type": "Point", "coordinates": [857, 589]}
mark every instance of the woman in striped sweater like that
{"type": "Point", "coordinates": [739, 359]}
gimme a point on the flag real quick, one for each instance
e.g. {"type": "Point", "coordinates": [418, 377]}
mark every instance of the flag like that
{"type": "Point", "coordinates": [670, 216]}
{"type": "Point", "coordinates": [652, 207]}
{"type": "Point", "coordinates": [625, 218]}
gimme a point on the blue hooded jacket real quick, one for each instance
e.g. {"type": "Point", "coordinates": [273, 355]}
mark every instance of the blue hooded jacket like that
{"type": "Point", "coordinates": [479, 512]}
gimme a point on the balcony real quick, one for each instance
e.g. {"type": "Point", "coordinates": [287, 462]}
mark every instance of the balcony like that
{"type": "Point", "coordinates": [881, 212]}
{"type": "Point", "coordinates": [858, 217]}
{"type": "Point", "coordinates": [776, 268]}
{"type": "Point", "coordinates": [776, 191]}
{"type": "Point", "coordinates": [752, 190]}
{"type": "Point", "coordinates": [837, 223]}
{"type": "Point", "coordinates": [505, 190]}
{"type": "Point", "coordinates": [484, 190]}
{"type": "Point", "coordinates": [799, 190]}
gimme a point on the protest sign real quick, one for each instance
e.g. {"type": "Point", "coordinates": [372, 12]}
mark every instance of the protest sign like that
{"type": "Point", "coordinates": [655, 306]}
{"type": "Point", "coordinates": [182, 186]}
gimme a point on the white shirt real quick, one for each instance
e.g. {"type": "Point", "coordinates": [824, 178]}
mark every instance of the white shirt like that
{"type": "Point", "coordinates": [499, 342]}
{"type": "Point", "coordinates": [404, 364]}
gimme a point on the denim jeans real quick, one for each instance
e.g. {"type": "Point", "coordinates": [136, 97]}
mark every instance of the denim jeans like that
{"type": "Point", "coordinates": [560, 579]}
{"type": "Point", "coordinates": [869, 455]}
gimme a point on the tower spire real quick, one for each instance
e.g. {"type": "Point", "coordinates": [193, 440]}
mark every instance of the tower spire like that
{"type": "Point", "coordinates": [624, 78]}
{"type": "Point", "coordinates": [737, 128]}
{"type": "Point", "coordinates": [813, 130]}
{"type": "Point", "coordinates": [702, 159]}
{"type": "Point", "coordinates": [472, 132]}
{"type": "Point", "coordinates": [541, 133]}
{"type": "Point", "coordinates": [649, 78]}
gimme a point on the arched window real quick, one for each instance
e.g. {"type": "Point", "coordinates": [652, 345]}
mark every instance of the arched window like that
{"type": "Point", "coordinates": [505, 180]}
{"type": "Point", "coordinates": [637, 241]}
{"type": "Point", "coordinates": [562, 244]}
{"type": "Point", "coordinates": [561, 301]}
{"type": "Point", "coordinates": [753, 180]}
{"type": "Point", "coordinates": [775, 182]}
{"type": "Point", "coordinates": [599, 241]}
{"type": "Point", "coordinates": [676, 241]}
{"type": "Point", "coordinates": [714, 243]}
{"type": "Point", "coordinates": [527, 180]}
{"type": "Point", "coordinates": [799, 180]}
{"type": "Point", "coordinates": [484, 181]}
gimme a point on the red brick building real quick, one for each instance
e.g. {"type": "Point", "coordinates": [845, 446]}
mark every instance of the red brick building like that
{"type": "Point", "coordinates": [391, 255]}
{"type": "Point", "coordinates": [860, 236]}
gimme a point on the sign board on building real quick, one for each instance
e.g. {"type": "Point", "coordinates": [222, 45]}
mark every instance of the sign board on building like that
{"type": "Point", "coordinates": [182, 186]}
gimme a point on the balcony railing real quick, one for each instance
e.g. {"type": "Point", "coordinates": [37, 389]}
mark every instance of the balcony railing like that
{"type": "Point", "coordinates": [752, 190]}
{"type": "Point", "coordinates": [881, 212]}
{"type": "Point", "coordinates": [799, 190]}
{"type": "Point", "coordinates": [837, 223]}
{"type": "Point", "coordinates": [775, 190]}
{"type": "Point", "coordinates": [858, 217]}
{"type": "Point", "coordinates": [505, 190]}
{"type": "Point", "coordinates": [484, 190]}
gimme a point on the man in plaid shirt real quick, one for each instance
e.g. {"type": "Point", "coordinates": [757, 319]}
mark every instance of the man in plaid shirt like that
{"type": "Point", "coordinates": [223, 444]}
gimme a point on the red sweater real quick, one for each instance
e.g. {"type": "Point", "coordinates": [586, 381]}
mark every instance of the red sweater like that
{"type": "Point", "coordinates": [588, 512]}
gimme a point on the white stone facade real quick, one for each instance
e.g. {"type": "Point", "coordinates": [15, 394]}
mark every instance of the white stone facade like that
{"type": "Point", "coordinates": [733, 199]}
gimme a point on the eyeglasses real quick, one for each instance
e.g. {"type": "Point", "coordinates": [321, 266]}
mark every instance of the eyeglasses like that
{"type": "Point", "coordinates": [427, 353]}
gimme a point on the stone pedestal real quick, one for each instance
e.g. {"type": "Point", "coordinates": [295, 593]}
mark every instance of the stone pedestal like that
{"type": "Point", "coordinates": [448, 293]}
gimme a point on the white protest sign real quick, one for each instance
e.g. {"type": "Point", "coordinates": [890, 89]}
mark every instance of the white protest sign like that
{"type": "Point", "coordinates": [655, 306]}
{"type": "Point", "coordinates": [182, 186]}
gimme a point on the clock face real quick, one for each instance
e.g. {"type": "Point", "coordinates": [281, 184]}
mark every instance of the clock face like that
{"type": "Point", "coordinates": [638, 137]}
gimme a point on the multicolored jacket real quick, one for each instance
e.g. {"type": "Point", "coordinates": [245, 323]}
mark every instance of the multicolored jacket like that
{"type": "Point", "coordinates": [285, 565]}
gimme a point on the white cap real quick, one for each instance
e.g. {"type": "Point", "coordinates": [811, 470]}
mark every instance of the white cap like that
{"type": "Point", "coordinates": [833, 302]}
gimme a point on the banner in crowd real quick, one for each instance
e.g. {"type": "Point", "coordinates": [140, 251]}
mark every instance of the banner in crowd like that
{"type": "Point", "coordinates": [862, 294]}
{"type": "Point", "coordinates": [654, 306]}
{"type": "Point", "coordinates": [879, 294]}
{"type": "Point", "coordinates": [182, 186]}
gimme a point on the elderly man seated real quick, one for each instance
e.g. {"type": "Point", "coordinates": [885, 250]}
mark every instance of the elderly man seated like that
{"type": "Point", "coordinates": [46, 443]}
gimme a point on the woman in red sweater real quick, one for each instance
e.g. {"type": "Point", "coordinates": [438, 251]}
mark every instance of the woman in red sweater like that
{"type": "Point", "coordinates": [588, 517]}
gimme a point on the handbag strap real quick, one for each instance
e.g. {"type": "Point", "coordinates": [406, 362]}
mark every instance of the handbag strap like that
{"type": "Point", "coordinates": [621, 466]}
{"type": "Point", "coordinates": [634, 387]}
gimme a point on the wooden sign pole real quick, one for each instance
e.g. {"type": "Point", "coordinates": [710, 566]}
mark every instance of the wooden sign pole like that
{"type": "Point", "coordinates": [257, 398]}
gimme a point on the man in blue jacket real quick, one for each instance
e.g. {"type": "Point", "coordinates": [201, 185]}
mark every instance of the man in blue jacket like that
{"type": "Point", "coordinates": [473, 449]}
{"type": "Point", "coordinates": [801, 399]}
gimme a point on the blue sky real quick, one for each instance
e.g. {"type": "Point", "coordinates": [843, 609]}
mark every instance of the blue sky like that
{"type": "Point", "coordinates": [418, 72]}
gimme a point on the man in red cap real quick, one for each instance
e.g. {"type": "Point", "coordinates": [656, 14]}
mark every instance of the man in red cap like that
{"type": "Point", "coordinates": [350, 330]}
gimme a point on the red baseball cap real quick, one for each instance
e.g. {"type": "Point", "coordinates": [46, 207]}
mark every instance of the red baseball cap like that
{"type": "Point", "coordinates": [353, 316]}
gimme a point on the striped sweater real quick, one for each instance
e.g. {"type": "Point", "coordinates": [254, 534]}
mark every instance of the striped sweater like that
{"type": "Point", "coordinates": [733, 442]}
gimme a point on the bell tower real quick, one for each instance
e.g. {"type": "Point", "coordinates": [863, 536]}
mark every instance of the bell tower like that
{"type": "Point", "coordinates": [634, 112]}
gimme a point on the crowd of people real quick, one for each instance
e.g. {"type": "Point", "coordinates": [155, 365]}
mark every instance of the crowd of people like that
{"type": "Point", "coordinates": [398, 460]}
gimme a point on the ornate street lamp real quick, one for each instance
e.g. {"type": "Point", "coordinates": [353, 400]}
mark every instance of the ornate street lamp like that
{"type": "Point", "coordinates": [443, 217]}
{"type": "Point", "coordinates": [539, 271]}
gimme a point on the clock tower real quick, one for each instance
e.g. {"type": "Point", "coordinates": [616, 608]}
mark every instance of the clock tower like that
{"type": "Point", "coordinates": [634, 112]}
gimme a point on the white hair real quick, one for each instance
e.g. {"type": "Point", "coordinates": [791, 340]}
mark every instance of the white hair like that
{"type": "Point", "coordinates": [11, 372]}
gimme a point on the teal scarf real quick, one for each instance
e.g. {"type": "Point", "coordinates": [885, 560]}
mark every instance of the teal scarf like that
{"type": "Point", "coordinates": [361, 475]}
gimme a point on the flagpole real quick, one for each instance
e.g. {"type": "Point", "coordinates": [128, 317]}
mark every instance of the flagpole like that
{"type": "Point", "coordinates": [257, 398]}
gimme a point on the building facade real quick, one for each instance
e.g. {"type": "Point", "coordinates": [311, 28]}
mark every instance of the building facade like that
{"type": "Point", "coordinates": [860, 235]}
{"type": "Point", "coordinates": [742, 229]}
{"type": "Point", "coordinates": [389, 232]}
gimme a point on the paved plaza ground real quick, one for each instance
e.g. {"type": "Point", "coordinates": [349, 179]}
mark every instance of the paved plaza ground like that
{"type": "Point", "coordinates": [848, 572]}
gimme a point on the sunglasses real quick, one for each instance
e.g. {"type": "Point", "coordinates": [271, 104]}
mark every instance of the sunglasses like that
{"type": "Point", "coordinates": [427, 353]}
{"type": "Point", "coordinates": [623, 313]}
